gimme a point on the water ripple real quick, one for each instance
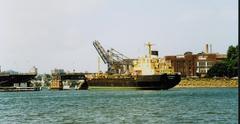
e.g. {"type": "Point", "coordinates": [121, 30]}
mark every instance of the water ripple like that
{"type": "Point", "coordinates": [178, 105]}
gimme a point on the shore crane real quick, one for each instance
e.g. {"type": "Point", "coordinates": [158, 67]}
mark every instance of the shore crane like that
{"type": "Point", "coordinates": [116, 61]}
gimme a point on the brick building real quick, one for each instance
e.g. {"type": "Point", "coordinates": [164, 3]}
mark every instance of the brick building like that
{"type": "Point", "coordinates": [191, 64]}
{"type": "Point", "coordinates": [206, 61]}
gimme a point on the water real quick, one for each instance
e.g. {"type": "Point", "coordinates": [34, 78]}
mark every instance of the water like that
{"type": "Point", "coordinates": [178, 105]}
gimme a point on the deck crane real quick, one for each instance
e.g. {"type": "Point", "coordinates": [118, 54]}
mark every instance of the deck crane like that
{"type": "Point", "coordinates": [116, 61]}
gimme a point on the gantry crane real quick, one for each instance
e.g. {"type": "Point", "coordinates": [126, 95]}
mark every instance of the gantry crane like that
{"type": "Point", "coordinates": [116, 61]}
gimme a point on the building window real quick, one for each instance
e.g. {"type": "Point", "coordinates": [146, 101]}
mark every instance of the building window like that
{"type": "Point", "coordinates": [201, 63]}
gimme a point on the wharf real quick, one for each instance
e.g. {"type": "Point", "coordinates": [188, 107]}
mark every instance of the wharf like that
{"type": "Point", "coordinates": [18, 89]}
{"type": "Point", "coordinates": [207, 82]}
{"type": "Point", "coordinates": [59, 79]}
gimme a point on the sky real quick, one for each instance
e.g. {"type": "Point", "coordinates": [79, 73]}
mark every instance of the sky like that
{"type": "Point", "coordinates": [53, 34]}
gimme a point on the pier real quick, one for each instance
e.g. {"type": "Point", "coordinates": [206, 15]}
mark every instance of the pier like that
{"type": "Point", "coordinates": [207, 82]}
{"type": "Point", "coordinates": [61, 79]}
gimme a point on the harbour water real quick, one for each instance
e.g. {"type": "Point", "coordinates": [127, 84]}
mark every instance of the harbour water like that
{"type": "Point", "coordinates": [177, 105]}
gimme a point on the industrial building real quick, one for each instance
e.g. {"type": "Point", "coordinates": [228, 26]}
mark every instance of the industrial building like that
{"type": "Point", "coordinates": [190, 64]}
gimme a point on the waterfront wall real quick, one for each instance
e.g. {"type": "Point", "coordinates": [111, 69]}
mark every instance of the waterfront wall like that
{"type": "Point", "coordinates": [207, 82]}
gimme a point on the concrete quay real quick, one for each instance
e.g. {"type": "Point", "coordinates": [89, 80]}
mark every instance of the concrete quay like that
{"type": "Point", "coordinates": [207, 82]}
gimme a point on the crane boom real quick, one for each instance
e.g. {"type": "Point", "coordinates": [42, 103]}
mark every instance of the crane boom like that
{"type": "Point", "coordinates": [101, 51]}
{"type": "Point", "coordinates": [116, 61]}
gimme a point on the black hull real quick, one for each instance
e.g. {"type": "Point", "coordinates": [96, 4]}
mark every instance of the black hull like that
{"type": "Point", "coordinates": [10, 79]}
{"type": "Point", "coordinates": [146, 82]}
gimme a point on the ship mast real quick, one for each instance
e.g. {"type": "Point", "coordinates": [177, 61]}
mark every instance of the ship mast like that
{"type": "Point", "coordinates": [149, 45]}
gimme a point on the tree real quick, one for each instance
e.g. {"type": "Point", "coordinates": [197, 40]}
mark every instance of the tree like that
{"type": "Point", "coordinates": [232, 53]}
{"type": "Point", "coordinates": [219, 70]}
{"type": "Point", "coordinates": [232, 61]}
{"type": "Point", "coordinates": [228, 67]}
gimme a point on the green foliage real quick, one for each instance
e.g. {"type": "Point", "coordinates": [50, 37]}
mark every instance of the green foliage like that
{"type": "Point", "coordinates": [229, 67]}
{"type": "Point", "coordinates": [232, 61]}
{"type": "Point", "coordinates": [219, 70]}
{"type": "Point", "coordinates": [232, 53]}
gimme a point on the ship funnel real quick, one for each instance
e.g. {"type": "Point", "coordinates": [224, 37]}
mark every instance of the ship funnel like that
{"type": "Point", "coordinates": [154, 53]}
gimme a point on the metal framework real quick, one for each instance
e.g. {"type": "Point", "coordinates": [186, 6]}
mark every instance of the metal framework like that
{"type": "Point", "coordinates": [116, 61]}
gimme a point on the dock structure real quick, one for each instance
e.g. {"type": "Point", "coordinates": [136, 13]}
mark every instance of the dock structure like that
{"type": "Point", "coordinates": [14, 81]}
{"type": "Point", "coordinates": [61, 79]}
{"type": "Point", "coordinates": [19, 89]}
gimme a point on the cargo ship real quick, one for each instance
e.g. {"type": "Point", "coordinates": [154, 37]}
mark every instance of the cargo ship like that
{"type": "Point", "coordinates": [12, 81]}
{"type": "Point", "coordinates": [144, 82]}
{"type": "Point", "coordinates": [148, 72]}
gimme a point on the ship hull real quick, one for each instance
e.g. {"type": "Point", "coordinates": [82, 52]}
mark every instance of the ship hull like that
{"type": "Point", "coordinates": [144, 82]}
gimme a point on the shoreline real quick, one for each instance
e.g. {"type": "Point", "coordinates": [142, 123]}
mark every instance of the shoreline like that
{"type": "Point", "coordinates": [207, 83]}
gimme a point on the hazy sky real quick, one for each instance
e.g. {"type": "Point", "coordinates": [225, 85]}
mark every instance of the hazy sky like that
{"type": "Point", "coordinates": [52, 34]}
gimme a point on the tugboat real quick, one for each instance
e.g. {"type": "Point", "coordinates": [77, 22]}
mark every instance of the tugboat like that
{"type": "Point", "coordinates": [147, 73]}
